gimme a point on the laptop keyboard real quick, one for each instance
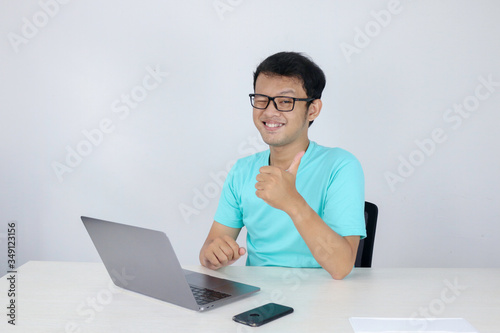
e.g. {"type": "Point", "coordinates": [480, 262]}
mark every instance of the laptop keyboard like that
{"type": "Point", "coordinates": [204, 295]}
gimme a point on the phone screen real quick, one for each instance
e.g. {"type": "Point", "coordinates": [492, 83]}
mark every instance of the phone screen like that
{"type": "Point", "coordinates": [263, 314]}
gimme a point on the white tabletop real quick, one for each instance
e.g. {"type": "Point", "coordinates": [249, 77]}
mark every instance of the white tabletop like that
{"type": "Point", "coordinates": [79, 297]}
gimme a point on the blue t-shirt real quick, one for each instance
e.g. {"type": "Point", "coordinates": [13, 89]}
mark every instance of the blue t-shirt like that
{"type": "Point", "coordinates": [329, 179]}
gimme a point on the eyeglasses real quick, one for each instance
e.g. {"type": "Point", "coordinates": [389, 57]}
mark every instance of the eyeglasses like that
{"type": "Point", "coordinates": [281, 103]}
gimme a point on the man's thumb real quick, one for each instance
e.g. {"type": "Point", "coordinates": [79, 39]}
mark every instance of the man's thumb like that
{"type": "Point", "coordinates": [295, 163]}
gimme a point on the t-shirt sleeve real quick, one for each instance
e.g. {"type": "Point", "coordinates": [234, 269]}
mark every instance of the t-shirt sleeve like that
{"type": "Point", "coordinates": [345, 201]}
{"type": "Point", "coordinates": [228, 211]}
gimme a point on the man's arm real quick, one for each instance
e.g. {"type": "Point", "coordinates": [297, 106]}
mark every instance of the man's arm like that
{"type": "Point", "coordinates": [220, 248]}
{"type": "Point", "coordinates": [334, 253]}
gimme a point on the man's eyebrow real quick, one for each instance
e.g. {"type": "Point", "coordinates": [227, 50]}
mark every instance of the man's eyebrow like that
{"type": "Point", "coordinates": [287, 91]}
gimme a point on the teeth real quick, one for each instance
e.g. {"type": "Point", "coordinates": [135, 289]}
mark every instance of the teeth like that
{"type": "Point", "coordinates": [273, 125]}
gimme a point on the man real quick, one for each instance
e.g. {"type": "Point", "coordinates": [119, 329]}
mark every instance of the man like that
{"type": "Point", "coordinates": [302, 204]}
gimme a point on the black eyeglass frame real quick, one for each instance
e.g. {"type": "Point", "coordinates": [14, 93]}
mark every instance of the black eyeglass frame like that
{"type": "Point", "coordinates": [269, 99]}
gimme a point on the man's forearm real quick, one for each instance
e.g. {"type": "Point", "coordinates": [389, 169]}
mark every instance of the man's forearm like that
{"type": "Point", "coordinates": [332, 251]}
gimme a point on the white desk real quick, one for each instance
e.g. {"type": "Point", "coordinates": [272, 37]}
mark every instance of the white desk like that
{"type": "Point", "coordinates": [58, 296]}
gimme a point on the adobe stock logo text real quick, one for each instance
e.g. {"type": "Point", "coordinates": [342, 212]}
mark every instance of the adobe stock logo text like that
{"type": "Point", "coordinates": [94, 137]}
{"type": "Point", "coordinates": [363, 37]}
{"type": "Point", "coordinates": [426, 147]}
{"type": "Point", "coordinates": [31, 28]}
{"type": "Point", "coordinates": [223, 6]}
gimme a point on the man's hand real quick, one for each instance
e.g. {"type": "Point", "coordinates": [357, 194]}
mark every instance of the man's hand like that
{"type": "Point", "coordinates": [276, 186]}
{"type": "Point", "coordinates": [221, 251]}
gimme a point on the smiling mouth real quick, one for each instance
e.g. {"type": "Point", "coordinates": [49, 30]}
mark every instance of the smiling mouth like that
{"type": "Point", "coordinates": [273, 125]}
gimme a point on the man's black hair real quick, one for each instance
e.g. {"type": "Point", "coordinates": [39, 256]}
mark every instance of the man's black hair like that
{"type": "Point", "coordinates": [293, 64]}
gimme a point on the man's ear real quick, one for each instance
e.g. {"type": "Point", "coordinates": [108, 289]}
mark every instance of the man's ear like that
{"type": "Point", "coordinates": [314, 109]}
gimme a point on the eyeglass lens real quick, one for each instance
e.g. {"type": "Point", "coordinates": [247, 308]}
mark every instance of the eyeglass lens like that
{"type": "Point", "coordinates": [281, 103]}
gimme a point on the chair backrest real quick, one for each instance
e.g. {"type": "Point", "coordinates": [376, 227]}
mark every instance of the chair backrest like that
{"type": "Point", "coordinates": [365, 249]}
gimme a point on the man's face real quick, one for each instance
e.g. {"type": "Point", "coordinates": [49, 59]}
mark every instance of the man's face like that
{"type": "Point", "coordinates": [281, 128]}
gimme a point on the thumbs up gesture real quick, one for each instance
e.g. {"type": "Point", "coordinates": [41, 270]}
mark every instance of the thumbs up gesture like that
{"type": "Point", "coordinates": [277, 186]}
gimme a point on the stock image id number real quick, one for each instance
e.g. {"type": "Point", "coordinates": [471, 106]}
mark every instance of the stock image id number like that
{"type": "Point", "coordinates": [11, 245]}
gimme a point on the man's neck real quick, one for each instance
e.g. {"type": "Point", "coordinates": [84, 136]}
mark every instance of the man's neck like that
{"type": "Point", "coordinates": [282, 157]}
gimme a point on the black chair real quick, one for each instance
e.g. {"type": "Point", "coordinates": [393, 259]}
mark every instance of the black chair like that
{"type": "Point", "coordinates": [365, 249]}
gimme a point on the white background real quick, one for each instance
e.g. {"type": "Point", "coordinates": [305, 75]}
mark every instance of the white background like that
{"type": "Point", "coordinates": [394, 72]}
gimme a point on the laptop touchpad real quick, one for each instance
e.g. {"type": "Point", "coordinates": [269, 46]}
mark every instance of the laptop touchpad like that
{"type": "Point", "coordinates": [203, 280]}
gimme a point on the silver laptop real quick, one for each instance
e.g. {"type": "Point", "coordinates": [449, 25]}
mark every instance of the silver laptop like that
{"type": "Point", "coordinates": [143, 261]}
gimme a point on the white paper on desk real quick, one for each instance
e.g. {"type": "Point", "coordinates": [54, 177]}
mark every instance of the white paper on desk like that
{"type": "Point", "coordinates": [403, 325]}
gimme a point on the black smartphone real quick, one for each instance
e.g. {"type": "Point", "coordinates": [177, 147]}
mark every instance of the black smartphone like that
{"type": "Point", "coordinates": [263, 314]}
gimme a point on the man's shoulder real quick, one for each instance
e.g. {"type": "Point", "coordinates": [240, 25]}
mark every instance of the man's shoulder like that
{"type": "Point", "coordinates": [332, 154]}
{"type": "Point", "coordinates": [335, 163]}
